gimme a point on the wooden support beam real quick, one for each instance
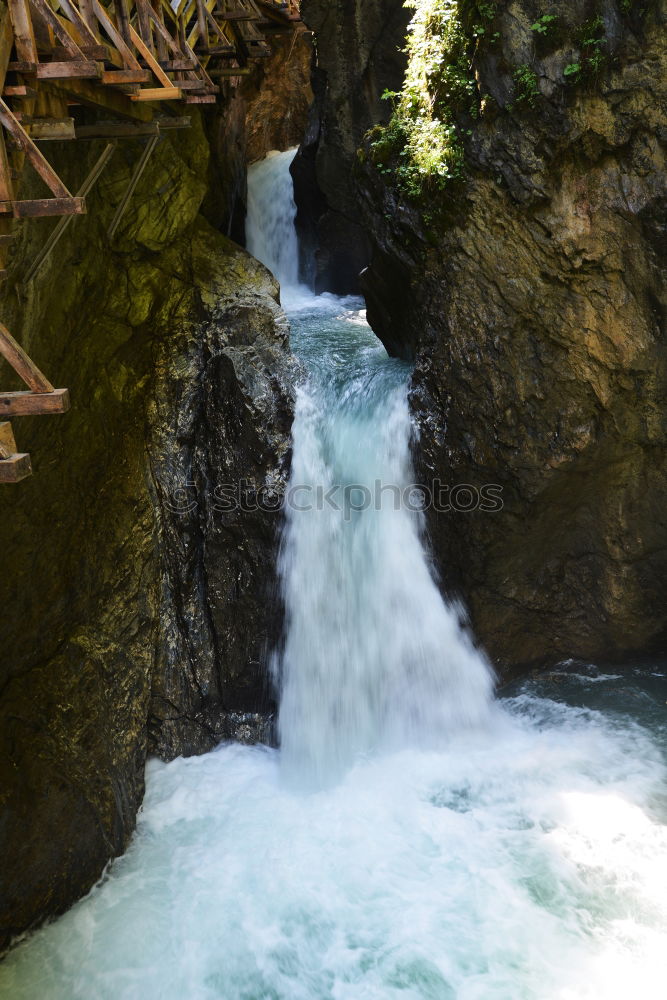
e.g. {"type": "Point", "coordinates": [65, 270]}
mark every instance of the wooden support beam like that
{"type": "Point", "coordinates": [88, 15]}
{"type": "Point", "coordinates": [201, 99]}
{"type": "Point", "coordinates": [23, 365]}
{"type": "Point", "coordinates": [69, 70]}
{"type": "Point", "coordinates": [92, 53]}
{"type": "Point", "coordinates": [130, 130]}
{"type": "Point", "coordinates": [122, 77]}
{"type": "Point", "coordinates": [227, 71]}
{"type": "Point", "coordinates": [42, 207]}
{"type": "Point", "coordinates": [201, 24]}
{"type": "Point", "coordinates": [49, 17]}
{"type": "Point", "coordinates": [108, 99]}
{"type": "Point", "coordinates": [129, 58]}
{"type": "Point", "coordinates": [26, 404]}
{"type": "Point", "coordinates": [63, 223]}
{"type": "Point", "coordinates": [26, 46]}
{"type": "Point", "coordinates": [134, 180]}
{"type": "Point", "coordinates": [83, 22]}
{"type": "Point", "coordinates": [197, 85]}
{"type": "Point", "coordinates": [122, 9]}
{"type": "Point", "coordinates": [19, 91]}
{"type": "Point", "coordinates": [158, 94]}
{"type": "Point", "coordinates": [144, 20]}
{"type": "Point", "coordinates": [27, 146]}
{"type": "Point", "coordinates": [15, 468]}
{"type": "Point", "coordinates": [7, 442]}
{"type": "Point", "coordinates": [177, 64]}
{"type": "Point", "coordinates": [152, 62]}
{"type": "Point", "coordinates": [52, 129]}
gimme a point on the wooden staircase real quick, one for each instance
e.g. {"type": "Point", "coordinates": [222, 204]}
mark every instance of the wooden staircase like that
{"type": "Point", "coordinates": [138, 62]}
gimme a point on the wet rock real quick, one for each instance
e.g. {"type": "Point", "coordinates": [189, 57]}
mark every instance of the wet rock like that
{"type": "Point", "coordinates": [136, 615]}
{"type": "Point", "coordinates": [533, 300]}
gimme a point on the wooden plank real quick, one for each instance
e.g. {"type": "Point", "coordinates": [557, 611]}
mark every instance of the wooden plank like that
{"type": "Point", "coordinates": [202, 99]}
{"type": "Point", "coordinates": [26, 46]}
{"type": "Point", "coordinates": [108, 98]}
{"type": "Point", "coordinates": [134, 180]}
{"type": "Point", "coordinates": [120, 77]}
{"type": "Point", "coordinates": [7, 442]}
{"type": "Point", "coordinates": [27, 146]}
{"type": "Point", "coordinates": [158, 94]}
{"type": "Point", "coordinates": [16, 468]}
{"type": "Point", "coordinates": [52, 129]}
{"type": "Point", "coordinates": [42, 207]}
{"type": "Point", "coordinates": [23, 365]}
{"type": "Point", "coordinates": [153, 64]}
{"type": "Point", "coordinates": [6, 239]}
{"type": "Point", "coordinates": [63, 223]}
{"type": "Point", "coordinates": [69, 70]}
{"type": "Point", "coordinates": [25, 404]}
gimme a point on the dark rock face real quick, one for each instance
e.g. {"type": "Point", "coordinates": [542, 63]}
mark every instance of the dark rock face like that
{"type": "Point", "coordinates": [535, 309]}
{"type": "Point", "coordinates": [135, 614]}
{"type": "Point", "coordinates": [358, 57]}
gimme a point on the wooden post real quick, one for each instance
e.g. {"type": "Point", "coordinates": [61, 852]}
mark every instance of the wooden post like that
{"type": "Point", "coordinates": [26, 47]}
{"type": "Point", "coordinates": [122, 9]}
{"type": "Point", "coordinates": [134, 180]}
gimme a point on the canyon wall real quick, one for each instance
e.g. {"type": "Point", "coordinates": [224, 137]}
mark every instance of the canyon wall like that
{"type": "Point", "coordinates": [139, 602]}
{"type": "Point", "coordinates": [532, 295]}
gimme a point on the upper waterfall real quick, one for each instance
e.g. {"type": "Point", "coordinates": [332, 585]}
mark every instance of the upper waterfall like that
{"type": "Point", "coordinates": [270, 232]}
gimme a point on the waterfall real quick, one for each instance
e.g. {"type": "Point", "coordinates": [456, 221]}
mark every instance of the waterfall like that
{"type": "Point", "coordinates": [411, 840]}
{"type": "Point", "coordinates": [373, 657]}
{"type": "Point", "coordinates": [270, 233]}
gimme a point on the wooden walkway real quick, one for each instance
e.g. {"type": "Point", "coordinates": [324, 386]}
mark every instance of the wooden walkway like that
{"type": "Point", "coordinates": [123, 58]}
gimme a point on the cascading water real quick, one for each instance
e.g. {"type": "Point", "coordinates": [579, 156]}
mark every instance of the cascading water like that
{"type": "Point", "coordinates": [411, 840]}
{"type": "Point", "coordinates": [373, 657]}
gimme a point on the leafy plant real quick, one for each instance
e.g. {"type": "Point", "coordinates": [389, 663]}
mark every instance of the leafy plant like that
{"type": "Point", "coordinates": [544, 24]}
{"type": "Point", "coordinates": [526, 89]}
{"type": "Point", "coordinates": [572, 69]}
{"type": "Point", "coordinates": [422, 144]}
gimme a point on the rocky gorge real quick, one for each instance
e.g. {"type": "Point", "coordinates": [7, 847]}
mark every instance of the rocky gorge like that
{"type": "Point", "coordinates": [526, 284]}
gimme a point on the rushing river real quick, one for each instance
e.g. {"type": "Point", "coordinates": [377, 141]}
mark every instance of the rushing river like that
{"type": "Point", "coordinates": [414, 838]}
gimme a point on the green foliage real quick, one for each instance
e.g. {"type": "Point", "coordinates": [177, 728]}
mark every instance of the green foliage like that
{"type": "Point", "coordinates": [421, 147]}
{"type": "Point", "coordinates": [592, 41]}
{"type": "Point", "coordinates": [526, 89]}
{"type": "Point", "coordinates": [544, 24]}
